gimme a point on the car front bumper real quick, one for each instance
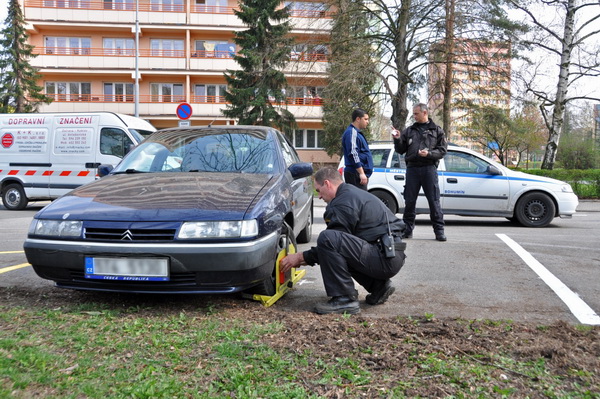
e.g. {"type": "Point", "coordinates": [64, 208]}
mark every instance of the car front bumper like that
{"type": "Point", "coordinates": [193, 267]}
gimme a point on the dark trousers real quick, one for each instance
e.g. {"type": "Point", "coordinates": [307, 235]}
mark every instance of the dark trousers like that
{"type": "Point", "coordinates": [344, 257]}
{"type": "Point", "coordinates": [354, 179]}
{"type": "Point", "coordinates": [426, 177]}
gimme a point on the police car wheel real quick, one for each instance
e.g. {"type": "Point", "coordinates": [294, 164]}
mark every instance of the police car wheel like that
{"type": "Point", "coordinates": [387, 199]}
{"type": "Point", "coordinates": [535, 210]}
{"type": "Point", "coordinates": [13, 197]}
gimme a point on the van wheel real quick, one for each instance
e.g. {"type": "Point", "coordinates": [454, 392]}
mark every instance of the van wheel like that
{"type": "Point", "coordinates": [13, 197]}
{"type": "Point", "coordinates": [387, 199]}
{"type": "Point", "coordinates": [535, 210]}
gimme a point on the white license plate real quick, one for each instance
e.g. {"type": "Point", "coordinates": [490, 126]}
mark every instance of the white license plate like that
{"type": "Point", "coordinates": [127, 269]}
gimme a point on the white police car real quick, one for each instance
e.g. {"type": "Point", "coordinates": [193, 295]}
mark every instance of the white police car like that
{"type": "Point", "coordinates": [474, 185]}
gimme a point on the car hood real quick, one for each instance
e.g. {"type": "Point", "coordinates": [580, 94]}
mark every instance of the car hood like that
{"type": "Point", "coordinates": [535, 178]}
{"type": "Point", "coordinates": [162, 197]}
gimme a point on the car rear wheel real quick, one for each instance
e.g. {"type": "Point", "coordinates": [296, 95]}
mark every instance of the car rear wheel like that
{"type": "Point", "coordinates": [13, 197]}
{"type": "Point", "coordinates": [387, 199]}
{"type": "Point", "coordinates": [535, 210]}
{"type": "Point", "coordinates": [306, 233]}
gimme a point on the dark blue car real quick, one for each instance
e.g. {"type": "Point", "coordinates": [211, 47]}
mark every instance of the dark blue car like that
{"type": "Point", "coordinates": [189, 210]}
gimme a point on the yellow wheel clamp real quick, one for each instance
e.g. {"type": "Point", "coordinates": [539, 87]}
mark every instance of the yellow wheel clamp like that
{"type": "Point", "coordinates": [283, 281]}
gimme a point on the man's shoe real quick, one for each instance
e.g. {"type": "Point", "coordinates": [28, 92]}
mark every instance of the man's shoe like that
{"type": "Point", "coordinates": [440, 237]}
{"type": "Point", "coordinates": [338, 304]}
{"type": "Point", "coordinates": [380, 296]}
{"type": "Point", "coordinates": [406, 235]}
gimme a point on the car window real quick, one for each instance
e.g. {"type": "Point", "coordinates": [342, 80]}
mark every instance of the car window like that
{"type": "Point", "coordinates": [222, 152]}
{"type": "Point", "coordinates": [398, 161]}
{"type": "Point", "coordinates": [289, 154]}
{"type": "Point", "coordinates": [380, 157]}
{"type": "Point", "coordinates": [464, 163]}
{"type": "Point", "coordinates": [114, 142]}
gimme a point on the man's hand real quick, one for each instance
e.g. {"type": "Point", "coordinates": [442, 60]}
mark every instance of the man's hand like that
{"type": "Point", "coordinates": [423, 153]}
{"type": "Point", "coordinates": [291, 261]}
{"type": "Point", "coordinates": [395, 133]}
{"type": "Point", "coordinates": [364, 180]}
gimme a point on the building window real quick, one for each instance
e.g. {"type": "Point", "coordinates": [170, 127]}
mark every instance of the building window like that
{"type": "Point", "coordinates": [118, 46]}
{"type": "Point", "coordinates": [213, 49]}
{"type": "Point", "coordinates": [306, 9]}
{"type": "Point", "coordinates": [68, 45]}
{"type": "Point", "coordinates": [211, 6]}
{"type": "Point", "coordinates": [166, 48]}
{"type": "Point", "coordinates": [209, 93]}
{"type": "Point", "coordinates": [308, 138]}
{"type": "Point", "coordinates": [118, 92]}
{"type": "Point", "coordinates": [307, 95]}
{"type": "Point", "coordinates": [167, 92]}
{"type": "Point", "coordinates": [119, 4]}
{"type": "Point", "coordinates": [69, 91]}
{"type": "Point", "coordinates": [166, 5]}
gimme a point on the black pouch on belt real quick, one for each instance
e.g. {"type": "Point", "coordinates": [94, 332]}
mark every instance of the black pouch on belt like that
{"type": "Point", "coordinates": [387, 245]}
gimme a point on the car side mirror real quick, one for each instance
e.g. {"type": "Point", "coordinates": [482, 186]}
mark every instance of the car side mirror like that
{"type": "Point", "coordinates": [494, 171]}
{"type": "Point", "coordinates": [301, 169]}
{"type": "Point", "coordinates": [104, 170]}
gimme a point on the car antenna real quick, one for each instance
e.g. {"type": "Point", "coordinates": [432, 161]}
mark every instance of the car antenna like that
{"type": "Point", "coordinates": [213, 121]}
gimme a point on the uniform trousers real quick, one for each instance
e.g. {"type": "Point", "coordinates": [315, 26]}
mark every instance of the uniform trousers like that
{"type": "Point", "coordinates": [426, 177]}
{"type": "Point", "coordinates": [343, 257]}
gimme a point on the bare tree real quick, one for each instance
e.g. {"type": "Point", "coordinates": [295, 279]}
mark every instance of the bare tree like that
{"type": "Point", "coordinates": [566, 38]}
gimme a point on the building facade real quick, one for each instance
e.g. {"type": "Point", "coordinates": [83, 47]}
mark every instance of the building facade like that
{"type": "Point", "coordinates": [481, 75]}
{"type": "Point", "coordinates": [87, 58]}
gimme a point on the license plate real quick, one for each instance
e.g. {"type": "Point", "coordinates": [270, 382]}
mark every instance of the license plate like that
{"type": "Point", "coordinates": [127, 269]}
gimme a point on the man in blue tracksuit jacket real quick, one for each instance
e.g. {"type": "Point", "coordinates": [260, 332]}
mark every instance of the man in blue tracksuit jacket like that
{"type": "Point", "coordinates": [357, 155]}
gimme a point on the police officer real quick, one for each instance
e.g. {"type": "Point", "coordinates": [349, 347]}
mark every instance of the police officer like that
{"type": "Point", "coordinates": [352, 246]}
{"type": "Point", "coordinates": [424, 144]}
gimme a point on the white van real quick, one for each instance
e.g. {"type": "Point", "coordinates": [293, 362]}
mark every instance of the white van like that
{"type": "Point", "coordinates": [45, 155]}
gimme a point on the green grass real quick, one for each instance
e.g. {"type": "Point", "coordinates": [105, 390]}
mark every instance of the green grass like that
{"type": "Point", "coordinates": [89, 351]}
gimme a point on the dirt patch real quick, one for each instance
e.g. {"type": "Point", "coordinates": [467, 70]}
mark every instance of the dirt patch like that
{"type": "Point", "coordinates": [390, 349]}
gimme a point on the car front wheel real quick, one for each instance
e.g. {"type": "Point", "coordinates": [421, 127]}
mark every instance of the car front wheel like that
{"type": "Point", "coordinates": [535, 210]}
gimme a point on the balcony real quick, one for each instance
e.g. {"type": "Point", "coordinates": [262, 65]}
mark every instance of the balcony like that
{"type": "Point", "coordinates": [104, 11]}
{"type": "Point", "coordinates": [96, 58]}
{"type": "Point", "coordinates": [304, 109]}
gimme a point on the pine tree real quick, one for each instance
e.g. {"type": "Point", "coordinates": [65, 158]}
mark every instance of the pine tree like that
{"type": "Point", "coordinates": [352, 73]}
{"type": "Point", "coordinates": [19, 91]}
{"type": "Point", "coordinates": [256, 92]}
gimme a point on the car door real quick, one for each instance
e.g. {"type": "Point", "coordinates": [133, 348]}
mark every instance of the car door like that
{"type": "Point", "coordinates": [470, 185]}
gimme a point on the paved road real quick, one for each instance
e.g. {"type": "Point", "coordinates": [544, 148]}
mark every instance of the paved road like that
{"type": "Point", "coordinates": [489, 268]}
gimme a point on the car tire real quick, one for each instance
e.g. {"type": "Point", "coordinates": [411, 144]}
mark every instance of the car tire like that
{"type": "Point", "coordinates": [387, 199]}
{"type": "Point", "coordinates": [535, 210]}
{"type": "Point", "coordinates": [13, 197]}
{"type": "Point", "coordinates": [306, 233]}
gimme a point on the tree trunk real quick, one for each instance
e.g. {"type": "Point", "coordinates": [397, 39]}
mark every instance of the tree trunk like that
{"type": "Point", "coordinates": [558, 112]}
{"type": "Point", "coordinates": [449, 63]}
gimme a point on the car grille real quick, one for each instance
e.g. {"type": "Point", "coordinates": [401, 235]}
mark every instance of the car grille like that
{"type": "Point", "coordinates": [107, 234]}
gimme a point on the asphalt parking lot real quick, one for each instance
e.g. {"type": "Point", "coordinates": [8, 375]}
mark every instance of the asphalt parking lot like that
{"type": "Point", "coordinates": [488, 269]}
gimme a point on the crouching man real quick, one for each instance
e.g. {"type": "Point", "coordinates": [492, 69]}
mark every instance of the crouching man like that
{"type": "Point", "coordinates": [357, 244]}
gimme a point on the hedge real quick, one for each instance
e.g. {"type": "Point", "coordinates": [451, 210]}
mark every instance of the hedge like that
{"type": "Point", "coordinates": [585, 182]}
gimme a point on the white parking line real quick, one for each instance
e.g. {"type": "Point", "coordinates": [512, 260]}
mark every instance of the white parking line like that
{"type": "Point", "coordinates": [578, 307]}
{"type": "Point", "coordinates": [15, 267]}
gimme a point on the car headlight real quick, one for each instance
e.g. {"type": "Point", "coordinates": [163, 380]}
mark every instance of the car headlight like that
{"type": "Point", "coordinates": [220, 229]}
{"type": "Point", "coordinates": [56, 228]}
{"type": "Point", "coordinates": [566, 188]}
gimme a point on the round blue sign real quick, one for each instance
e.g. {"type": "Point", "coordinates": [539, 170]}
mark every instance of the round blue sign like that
{"type": "Point", "coordinates": [184, 111]}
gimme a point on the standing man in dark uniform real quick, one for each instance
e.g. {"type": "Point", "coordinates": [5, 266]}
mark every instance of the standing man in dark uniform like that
{"type": "Point", "coordinates": [351, 246]}
{"type": "Point", "coordinates": [357, 155]}
{"type": "Point", "coordinates": [424, 144]}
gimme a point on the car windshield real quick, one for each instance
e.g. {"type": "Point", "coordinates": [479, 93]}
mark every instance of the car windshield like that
{"type": "Point", "coordinates": [201, 150]}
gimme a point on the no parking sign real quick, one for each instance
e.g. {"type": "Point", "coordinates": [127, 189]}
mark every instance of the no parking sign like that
{"type": "Point", "coordinates": [184, 111]}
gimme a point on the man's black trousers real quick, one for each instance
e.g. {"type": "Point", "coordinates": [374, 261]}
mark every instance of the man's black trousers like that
{"type": "Point", "coordinates": [426, 177]}
{"type": "Point", "coordinates": [343, 257]}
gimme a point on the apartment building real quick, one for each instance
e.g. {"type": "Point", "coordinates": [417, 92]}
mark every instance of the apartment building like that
{"type": "Point", "coordinates": [88, 61]}
{"type": "Point", "coordinates": [481, 76]}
